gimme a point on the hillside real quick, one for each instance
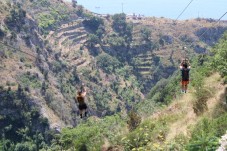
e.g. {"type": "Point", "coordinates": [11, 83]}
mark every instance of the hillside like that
{"type": "Point", "coordinates": [72, 46]}
{"type": "Point", "coordinates": [48, 48]}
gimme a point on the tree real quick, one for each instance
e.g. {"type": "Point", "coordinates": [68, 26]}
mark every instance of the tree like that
{"type": "Point", "coordinates": [161, 42]}
{"type": "Point", "coordinates": [16, 19]}
{"type": "Point", "coordinates": [92, 40]}
{"type": "Point", "coordinates": [122, 27]}
{"type": "Point", "coordinates": [117, 42]}
{"type": "Point", "coordinates": [107, 62]}
{"type": "Point", "coordinates": [2, 34]}
{"type": "Point", "coordinates": [134, 120]}
{"type": "Point", "coordinates": [146, 34]}
{"type": "Point", "coordinates": [220, 54]}
{"type": "Point", "coordinates": [74, 3]}
{"type": "Point", "coordinates": [119, 22]}
{"type": "Point", "coordinates": [94, 23]}
{"type": "Point", "coordinates": [79, 10]}
{"type": "Point", "coordinates": [100, 31]}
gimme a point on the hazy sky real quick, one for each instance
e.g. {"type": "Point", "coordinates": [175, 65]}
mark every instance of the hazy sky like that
{"type": "Point", "coordinates": [159, 8]}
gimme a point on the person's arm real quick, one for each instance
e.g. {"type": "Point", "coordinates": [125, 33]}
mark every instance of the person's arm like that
{"type": "Point", "coordinates": [84, 93]}
{"type": "Point", "coordinates": [181, 67]}
{"type": "Point", "coordinates": [76, 100]}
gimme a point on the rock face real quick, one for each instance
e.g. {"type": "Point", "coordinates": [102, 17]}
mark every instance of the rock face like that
{"type": "Point", "coordinates": [223, 143]}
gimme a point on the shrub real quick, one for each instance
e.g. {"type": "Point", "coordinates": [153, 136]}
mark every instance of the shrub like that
{"type": "Point", "coordinates": [107, 62]}
{"type": "Point", "coordinates": [117, 42]}
{"type": "Point", "coordinates": [205, 134]}
{"type": "Point", "coordinates": [134, 120]}
{"type": "Point", "coordinates": [30, 80]}
{"type": "Point", "coordinates": [146, 34]}
{"type": "Point", "coordinates": [92, 40]}
{"type": "Point", "coordinates": [2, 33]}
{"type": "Point", "coordinates": [92, 133]}
{"type": "Point", "coordinates": [219, 59]}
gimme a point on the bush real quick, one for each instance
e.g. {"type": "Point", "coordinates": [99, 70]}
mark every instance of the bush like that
{"type": "Point", "coordinates": [122, 27]}
{"type": "Point", "coordinates": [16, 19]}
{"type": "Point", "coordinates": [117, 42]}
{"type": "Point", "coordinates": [219, 59]}
{"type": "Point", "coordinates": [119, 23]}
{"type": "Point", "coordinates": [201, 96]}
{"type": "Point", "coordinates": [201, 93]}
{"type": "Point", "coordinates": [134, 120]}
{"type": "Point", "coordinates": [150, 135]}
{"type": "Point", "coordinates": [107, 63]}
{"type": "Point", "coordinates": [205, 134]}
{"type": "Point", "coordinates": [146, 34]}
{"type": "Point", "coordinates": [30, 80]}
{"type": "Point", "coordinates": [92, 40]}
{"type": "Point", "coordinates": [92, 133]}
{"type": "Point", "coordinates": [25, 147]}
{"type": "Point", "coordinates": [21, 125]}
{"type": "Point", "coordinates": [2, 33]}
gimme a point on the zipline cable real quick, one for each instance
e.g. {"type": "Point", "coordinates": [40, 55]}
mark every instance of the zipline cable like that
{"type": "Point", "coordinates": [183, 10]}
{"type": "Point", "coordinates": [154, 43]}
{"type": "Point", "coordinates": [206, 30]}
{"type": "Point", "coordinates": [216, 22]}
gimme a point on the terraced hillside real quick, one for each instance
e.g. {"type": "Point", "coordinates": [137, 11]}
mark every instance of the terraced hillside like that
{"type": "Point", "coordinates": [69, 39]}
{"type": "Point", "coordinates": [117, 65]}
{"type": "Point", "coordinates": [168, 43]}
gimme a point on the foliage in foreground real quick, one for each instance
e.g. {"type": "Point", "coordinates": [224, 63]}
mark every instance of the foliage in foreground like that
{"type": "Point", "coordinates": [219, 61]}
{"type": "Point", "coordinates": [92, 133]}
{"type": "Point", "coordinates": [21, 125]}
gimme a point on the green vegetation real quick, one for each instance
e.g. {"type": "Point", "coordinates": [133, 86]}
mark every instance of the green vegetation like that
{"type": "Point", "coordinates": [220, 54]}
{"type": "Point", "coordinates": [21, 125]}
{"type": "Point", "coordinates": [146, 34]}
{"type": "Point", "coordinates": [92, 40]}
{"type": "Point", "coordinates": [16, 19]}
{"type": "Point", "coordinates": [108, 63]}
{"type": "Point", "coordinates": [122, 27]}
{"type": "Point", "coordinates": [92, 134]}
{"type": "Point", "coordinates": [49, 19]}
{"type": "Point", "coordinates": [206, 133]}
{"type": "Point", "coordinates": [74, 3]}
{"type": "Point", "coordinates": [114, 86]}
{"type": "Point", "coordinates": [46, 20]}
{"type": "Point", "coordinates": [30, 80]}
{"type": "Point", "coordinates": [93, 23]}
{"type": "Point", "coordinates": [116, 42]}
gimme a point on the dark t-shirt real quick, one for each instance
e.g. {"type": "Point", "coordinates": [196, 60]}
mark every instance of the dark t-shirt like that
{"type": "Point", "coordinates": [80, 100]}
{"type": "Point", "coordinates": [185, 74]}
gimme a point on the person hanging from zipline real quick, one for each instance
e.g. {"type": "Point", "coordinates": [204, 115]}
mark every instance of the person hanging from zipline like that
{"type": "Point", "coordinates": [185, 68]}
{"type": "Point", "coordinates": [81, 101]}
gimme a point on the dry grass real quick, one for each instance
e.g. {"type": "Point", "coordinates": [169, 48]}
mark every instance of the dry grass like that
{"type": "Point", "coordinates": [183, 107]}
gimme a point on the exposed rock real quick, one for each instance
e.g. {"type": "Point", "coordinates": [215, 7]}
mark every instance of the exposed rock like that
{"type": "Point", "coordinates": [223, 143]}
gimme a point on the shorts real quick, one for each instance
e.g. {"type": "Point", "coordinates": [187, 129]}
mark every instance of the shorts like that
{"type": "Point", "coordinates": [185, 82]}
{"type": "Point", "coordinates": [82, 106]}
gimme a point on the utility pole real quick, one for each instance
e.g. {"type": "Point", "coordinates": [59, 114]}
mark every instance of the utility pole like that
{"type": "Point", "coordinates": [122, 7]}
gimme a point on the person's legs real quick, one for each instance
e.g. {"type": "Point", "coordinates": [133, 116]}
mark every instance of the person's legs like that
{"type": "Point", "coordinates": [182, 86]}
{"type": "Point", "coordinates": [81, 113]}
{"type": "Point", "coordinates": [85, 113]}
{"type": "Point", "coordinates": [186, 87]}
{"type": "Point", "coordinates": [85, 110]}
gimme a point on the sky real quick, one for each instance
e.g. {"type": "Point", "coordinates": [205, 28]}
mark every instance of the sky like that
{"type": "Point", "coordinates": [159, 8]}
